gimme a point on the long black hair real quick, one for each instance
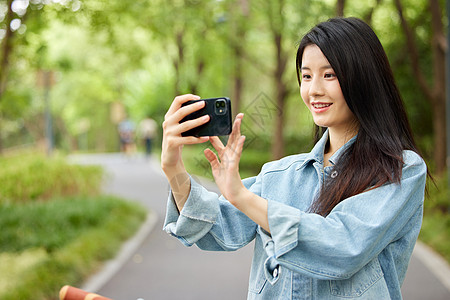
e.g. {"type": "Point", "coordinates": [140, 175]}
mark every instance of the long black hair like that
{"type": "Point", "coordinates": [367, 83]}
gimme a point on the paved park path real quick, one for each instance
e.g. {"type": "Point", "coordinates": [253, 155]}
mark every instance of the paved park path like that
{"type": "Point", "coordinates": [156, 266]}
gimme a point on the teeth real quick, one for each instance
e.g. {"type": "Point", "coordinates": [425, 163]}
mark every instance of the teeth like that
{"type": "Point", "coordinates": [321, 105]}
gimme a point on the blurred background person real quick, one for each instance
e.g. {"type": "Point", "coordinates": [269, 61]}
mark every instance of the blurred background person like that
{"type": "Point", "coordinates": [147, 133]}
{"type": "Point", "coordinates": [126, 134]}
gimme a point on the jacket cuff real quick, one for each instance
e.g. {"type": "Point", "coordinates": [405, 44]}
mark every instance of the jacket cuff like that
{"type": "Point", "coordinates": [284, 221]}
{"type": "Point", "coordinates": [196, 218]}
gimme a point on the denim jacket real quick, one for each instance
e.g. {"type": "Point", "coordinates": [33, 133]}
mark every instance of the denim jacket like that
{"type": "Point", "coordinates": [360, 250]}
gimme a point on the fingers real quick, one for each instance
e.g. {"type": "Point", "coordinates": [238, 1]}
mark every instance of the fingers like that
{"type": "Point", "coordinates": [236, 131]}
{"type": "Point", "coordinates": [176, 116]}
{"type": "Point", "coordinates": [178, 101]}
{"type": "Point", "coordinates": [172, 129]}
{"type": "Point", "coordinates": [217, 144]}
{"type": "Point", "coordinates": [233, 150]}
{"type": "Point", "coordinates": [191, 140]}
{"type": "Point", "coordinates": [240, 145]}
{"type": "Point", "coordinates": [212, 158]}
{"type": "Point", "coordinates": [188, 109]}
{"type": "Point", "coordinates": [187, 125]}
{"type": "Point", "coordinates": [178, 111]}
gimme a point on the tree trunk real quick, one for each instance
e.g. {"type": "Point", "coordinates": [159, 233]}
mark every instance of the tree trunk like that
{"type": "Point", "coordinates": [239, 35]}
{"type": "Point", "coordinates": [439, 132]}
{"type": "Point", "coordinates": [238, 82]}
{"type": "Point", "coordinates": [276, 21]}
{"type": "Point", "coordinates": [281, 92]}
{"type": "Point", "coordinates": [438, 44]}
{"type": "Point", "coordinates": [368, 16]}
{"type": "Point", "coordinates": [6, 49]}
{"type": "Point", "coordinates": [200, 67]}
{"type": "Point", "coordinates": [340, 8]}
{"type": "Point", "coordinates": [435, 93]}
{"type": "Point", "coordinates": [237, 77]}
{"type": "Point", "coordinates": [178, 62]}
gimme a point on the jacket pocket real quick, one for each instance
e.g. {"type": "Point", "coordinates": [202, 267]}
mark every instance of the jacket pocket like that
{"type": "Point", "coordinates": [359, 283]}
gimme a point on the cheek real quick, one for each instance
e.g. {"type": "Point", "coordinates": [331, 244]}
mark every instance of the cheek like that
{"type": "Point", "coordinates": [336, 90]}
{"type": "Point", "coordinates": [304, 94]}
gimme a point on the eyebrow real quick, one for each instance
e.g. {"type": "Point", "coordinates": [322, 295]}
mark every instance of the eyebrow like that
{"type": "Point", "coordinates": [321, 68]}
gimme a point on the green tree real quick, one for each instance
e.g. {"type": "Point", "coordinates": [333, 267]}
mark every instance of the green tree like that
{"type": "Point", "coordinates": [433, 90]}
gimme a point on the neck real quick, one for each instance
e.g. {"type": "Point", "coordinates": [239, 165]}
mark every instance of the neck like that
{"type": "Point", "coordinates": [337, 138]}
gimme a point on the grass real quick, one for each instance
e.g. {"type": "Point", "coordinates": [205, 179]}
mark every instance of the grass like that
{"type": "Point", "coordinates": [56, 230]}
{"type": "Point", "coordinates": [53, 224]}
{"type": "Point", "coordinates": [62, 241]}
{"type": "Point", "coordinates": [436, 222]}
{"type": "Point", "coordinates": [30, 177]}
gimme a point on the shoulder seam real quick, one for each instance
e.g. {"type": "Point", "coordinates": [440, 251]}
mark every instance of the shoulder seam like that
{"type": "Point", "coordinates": [299, 159]}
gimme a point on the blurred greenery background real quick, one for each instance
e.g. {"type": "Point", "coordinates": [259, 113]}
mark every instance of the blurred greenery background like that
{"type": "Point", "coordinates": [88, 64]}
{"type": "Point", "coordinates": [96, 61]}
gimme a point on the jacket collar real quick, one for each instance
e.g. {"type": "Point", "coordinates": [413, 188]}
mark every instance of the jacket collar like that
{"type": "Point", "coordinates": [317, 152]}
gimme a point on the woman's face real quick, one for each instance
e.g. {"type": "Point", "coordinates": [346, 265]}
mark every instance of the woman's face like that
{"type": "Point", "coordinates": [322, 93]}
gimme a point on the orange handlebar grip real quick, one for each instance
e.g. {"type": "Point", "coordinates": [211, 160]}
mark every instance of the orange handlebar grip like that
{"type": "Point", "coordinates": [71, 293]}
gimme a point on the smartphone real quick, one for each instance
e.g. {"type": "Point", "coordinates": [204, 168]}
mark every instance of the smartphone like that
{"type": "Point", "coordinates": [219, 111]}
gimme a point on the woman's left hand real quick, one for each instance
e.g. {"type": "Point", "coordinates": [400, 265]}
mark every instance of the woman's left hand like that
{"type": "Point", "coordinates": [225, 168]}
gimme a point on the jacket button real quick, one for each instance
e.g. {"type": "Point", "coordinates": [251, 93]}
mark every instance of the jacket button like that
{"type": "Point", "coordinates": [334, 174]}
{"type": "Point", "coordinates": [275, 272]}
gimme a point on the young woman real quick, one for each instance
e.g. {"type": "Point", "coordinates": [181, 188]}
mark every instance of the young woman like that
{"type": "Point", "coordinates": [338, 222]}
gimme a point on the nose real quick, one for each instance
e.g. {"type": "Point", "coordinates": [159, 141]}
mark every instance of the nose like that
{"type": "Point", "coordinates": [316, 87]}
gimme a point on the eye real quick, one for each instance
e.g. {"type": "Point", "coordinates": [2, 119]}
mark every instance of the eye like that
{"type": "Point", "coordinates": [306, 76]}
{"type": "Point", "coordinates": [330, 75]}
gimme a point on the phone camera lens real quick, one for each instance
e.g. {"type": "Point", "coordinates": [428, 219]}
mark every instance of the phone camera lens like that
{"type": "Point", "coordinates": [221, 107]}
{"type": "Point", "coordinates": [220, 103]}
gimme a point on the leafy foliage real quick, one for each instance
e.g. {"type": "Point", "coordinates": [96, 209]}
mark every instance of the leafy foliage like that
{"type": "Point", "coordinates": [141, 53]}
{"type": "Point", "coordinates": [436, 223]}
{"type": "Point", "coordinates": [48, 245]}
{"type": "Point", "coordinates": [32, 177]}
{"type": "Point", "coordinates": [56, 230]}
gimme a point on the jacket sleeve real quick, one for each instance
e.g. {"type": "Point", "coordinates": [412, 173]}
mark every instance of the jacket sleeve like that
{"type": "Point", "coordinates": [356, 230]}
{"type": "Point", "coordinates": [210, 221]}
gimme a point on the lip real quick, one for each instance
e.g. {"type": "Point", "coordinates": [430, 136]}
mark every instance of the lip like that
{"type": "Point", "coordinates": [320, 109]}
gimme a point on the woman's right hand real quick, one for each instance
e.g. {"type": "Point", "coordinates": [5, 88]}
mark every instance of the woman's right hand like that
{"type": "Point", "coordinates": [173, 141]}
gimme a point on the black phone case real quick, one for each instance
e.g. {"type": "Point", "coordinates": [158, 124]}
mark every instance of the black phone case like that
{"type": "Point", "coordinates": [218, 125]}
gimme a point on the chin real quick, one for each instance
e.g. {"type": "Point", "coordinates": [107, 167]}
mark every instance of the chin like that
{"type": "Point", "coordinates": [321, 124]}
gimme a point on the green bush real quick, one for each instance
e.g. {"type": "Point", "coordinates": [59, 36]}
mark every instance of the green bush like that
{"type": "Point", "coordinates": [62, 241]}
{"type": "Point", "coordinates": [52, 224]}
{"type": "Point", "coordinates": [56, 230]}
{"type": "Point", "coordinates": [436, 222]}
{"type": "Point", "coordinates": [28, 177]}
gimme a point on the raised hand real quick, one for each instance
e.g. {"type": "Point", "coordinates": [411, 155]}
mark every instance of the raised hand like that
{"type": "Point", "coordinates": [173, 142]}
{"type": "Point", "coordinates": [225, 167]}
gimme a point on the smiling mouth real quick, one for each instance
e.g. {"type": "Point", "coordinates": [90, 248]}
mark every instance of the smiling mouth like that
{"type": "Point", "coordinates": [321, 105]}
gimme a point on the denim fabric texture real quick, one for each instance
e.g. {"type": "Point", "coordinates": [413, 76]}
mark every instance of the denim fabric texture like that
{"type": "Point", "coordinates": [360, 250]}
